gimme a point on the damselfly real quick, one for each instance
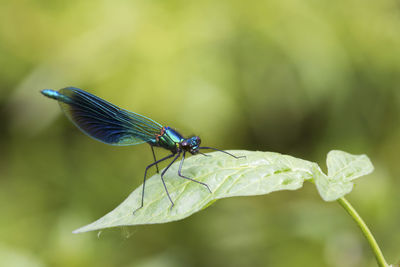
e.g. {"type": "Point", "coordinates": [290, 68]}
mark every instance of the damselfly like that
{"type": "Point", "coordinates": [112, 125]}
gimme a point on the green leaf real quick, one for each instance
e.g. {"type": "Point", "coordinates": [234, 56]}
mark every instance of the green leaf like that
{"type": "Point", "coordinates": [258, 173]}
{"type": "Point", "coordinates": [342, 169]}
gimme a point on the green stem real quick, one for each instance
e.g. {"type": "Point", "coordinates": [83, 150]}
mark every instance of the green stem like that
{"type": "Point", "coordinates": [364, 228]}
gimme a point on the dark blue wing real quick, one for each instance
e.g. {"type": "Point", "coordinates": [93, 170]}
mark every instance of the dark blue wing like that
{"type": "Point", "coordinates": [104, 121]}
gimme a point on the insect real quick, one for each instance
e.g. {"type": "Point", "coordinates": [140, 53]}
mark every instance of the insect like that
{"type": "Point", "coordinates": [112, 125]}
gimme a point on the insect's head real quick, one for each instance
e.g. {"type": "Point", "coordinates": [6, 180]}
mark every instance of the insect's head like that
{"type": "Point", "coordinates": [191, 144]}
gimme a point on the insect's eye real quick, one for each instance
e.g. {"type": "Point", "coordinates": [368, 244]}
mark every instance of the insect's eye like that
{"type": "Point", "coordinates": [194, 141]}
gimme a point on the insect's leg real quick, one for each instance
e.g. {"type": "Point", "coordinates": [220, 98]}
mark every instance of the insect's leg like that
{"type": "Point", "coordinates": [144, 180]}
{"type": "Point", "coordinates": [154, 156]}
{"type": "Point", "coordinates": [162, 177]}
{"type": "Point", "coordinates": [191, 179]}
{"type": "Point", "coordinates": [236, 157]}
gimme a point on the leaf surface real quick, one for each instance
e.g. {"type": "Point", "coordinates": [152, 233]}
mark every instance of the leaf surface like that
{"type": "Point", "coordinates": [256, 174]}
{"type": "Point", "coordinates": [343, 168]}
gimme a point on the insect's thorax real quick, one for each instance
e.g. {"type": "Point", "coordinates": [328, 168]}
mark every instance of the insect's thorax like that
{"type": "Point", "coordinates": [175, 142]}
{"type": "Point", "coordinates": [169, 139]}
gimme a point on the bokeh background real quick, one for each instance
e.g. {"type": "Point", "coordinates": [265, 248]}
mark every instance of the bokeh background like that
{"type": "Point", "coordinates": [295, 77]}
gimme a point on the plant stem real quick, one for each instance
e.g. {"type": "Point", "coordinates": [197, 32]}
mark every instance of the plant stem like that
{"type": "Point", "coordinates": [364, 228]}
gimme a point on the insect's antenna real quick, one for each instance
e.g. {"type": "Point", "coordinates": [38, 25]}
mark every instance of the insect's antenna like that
{"type": "Point", "coordinates": [216, 149]}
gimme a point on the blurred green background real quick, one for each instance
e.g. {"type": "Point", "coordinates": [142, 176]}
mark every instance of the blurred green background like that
{"type": "Point", "coordinates": [295, 77]}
